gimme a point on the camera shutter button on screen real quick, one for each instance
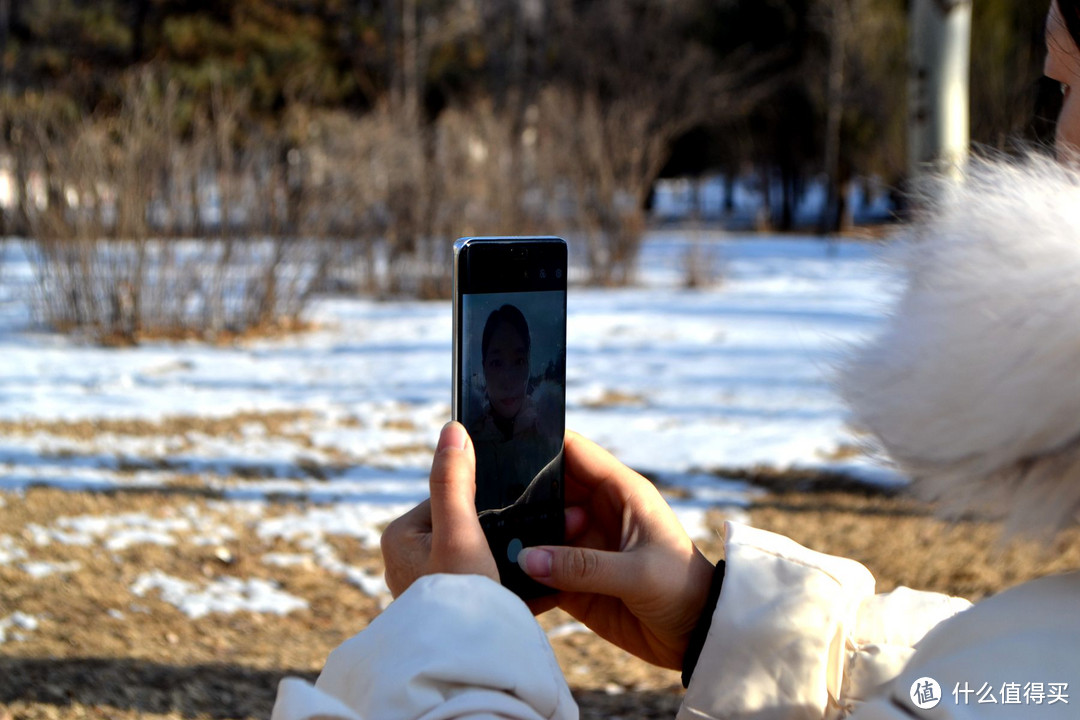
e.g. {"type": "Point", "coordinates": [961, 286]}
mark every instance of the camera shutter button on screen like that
{"type": "Point", "coordinates": [514, 549]}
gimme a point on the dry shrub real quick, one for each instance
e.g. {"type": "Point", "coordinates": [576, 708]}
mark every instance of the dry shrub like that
{"type": "Point", "coordinates": [703, 267]}
{"type": "Point", "coordinates": [366, 177]}
{"type": "Point", "coordinates": [323, 200]}
{"type": "Point", "coordinates": [591, 166]}
{"type": "Point", "coordinates": [414, 188]}
{"type": "Point", "coordinates": [102, 195]}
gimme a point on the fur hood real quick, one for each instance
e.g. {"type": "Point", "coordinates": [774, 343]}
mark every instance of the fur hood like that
{"type": "Point", "coordinates": [973, 387]}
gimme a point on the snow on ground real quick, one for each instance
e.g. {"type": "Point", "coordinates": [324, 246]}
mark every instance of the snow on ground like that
{"type": "Point", "coordinates": [16, 625]}
{"type": "Point", "coordinates": [225, 595]}
{"type": "Point", "coordinates": [682, 384]}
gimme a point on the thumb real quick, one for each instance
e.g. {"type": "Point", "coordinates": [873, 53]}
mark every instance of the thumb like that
{"type": "Point", "coordinates": [455, 529]}
{"type": "Point", "coordinates": [576, 569]}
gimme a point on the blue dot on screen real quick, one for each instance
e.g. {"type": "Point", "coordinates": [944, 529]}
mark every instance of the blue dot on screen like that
{"type": "Point", "coordinates": [513, 549]}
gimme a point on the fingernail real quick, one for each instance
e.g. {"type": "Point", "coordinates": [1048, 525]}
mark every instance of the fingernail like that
{"type": "Point", "coordinates": [536, 562]}
{"type": "Point", "coordinates": [453, 435]}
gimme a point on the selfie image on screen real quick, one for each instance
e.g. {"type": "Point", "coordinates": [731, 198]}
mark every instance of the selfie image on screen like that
{"type": "Point", "coordinates": [513, 406]}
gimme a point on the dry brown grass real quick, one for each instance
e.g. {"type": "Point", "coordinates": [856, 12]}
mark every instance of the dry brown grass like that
{"type": "Point", "coordinates": [155, 662]}
{"type": "Point", "coordinates": [616, 398]}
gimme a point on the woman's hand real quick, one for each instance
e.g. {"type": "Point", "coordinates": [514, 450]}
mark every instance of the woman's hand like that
{"type": "Point", "coordinates": [631, 573]}
{"type": "Point", "coordinates": [443, 534]}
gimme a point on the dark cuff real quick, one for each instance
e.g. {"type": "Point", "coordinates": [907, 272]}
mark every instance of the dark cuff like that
{"type": "Point", "coordinates": [701, 630]}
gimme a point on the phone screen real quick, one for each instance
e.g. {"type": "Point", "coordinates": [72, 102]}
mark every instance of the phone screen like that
{"type": "Point", "coordinates": [514, 367]}
{"type": "Point", "coordinates": [510, 389]}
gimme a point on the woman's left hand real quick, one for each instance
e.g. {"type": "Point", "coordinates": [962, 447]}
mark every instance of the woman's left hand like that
{"type": "Point", "coordinates": [443, 534]}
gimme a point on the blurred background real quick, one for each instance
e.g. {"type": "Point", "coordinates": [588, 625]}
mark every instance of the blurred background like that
{"type": "Point", "coordinates": [225, 340]}
{"type": "Point", "coordinates": [362, 135]}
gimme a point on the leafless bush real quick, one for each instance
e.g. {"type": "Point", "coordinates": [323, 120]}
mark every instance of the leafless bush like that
{"type": "Point", "coordinates": [365, 180]}
{"type": "Point", "coordinates": [101, 195]}
{"type": "Point", "coordinates": [702, 266]}
{"type": "Point", "coordinates": [326, 200]}
{"type": "Point", "coordinates": [408, 190]}
{"type": "Point", "coordinates": [585, 164]}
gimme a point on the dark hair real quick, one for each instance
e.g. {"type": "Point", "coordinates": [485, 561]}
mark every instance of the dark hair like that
{"type": "Point", "coordinates": [1070, 13]}
{"type": "Point", "coordinates": [511, 316]}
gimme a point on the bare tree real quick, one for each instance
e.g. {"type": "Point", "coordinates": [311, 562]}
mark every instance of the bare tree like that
{"type": "Point", "coordinates": [839, 23]}
{"type": "Point", "coordinates": [633, 81]}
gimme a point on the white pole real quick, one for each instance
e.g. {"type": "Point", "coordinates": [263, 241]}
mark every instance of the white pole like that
{"type": "Point", "coordinates": [938, 80]}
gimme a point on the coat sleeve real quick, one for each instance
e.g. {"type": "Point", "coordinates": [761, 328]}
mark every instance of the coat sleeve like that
{"type": "Point", "coordinates": [800, 634]}
{"type": "Point", "coordinates": [451, 646]}
{"type": "Point", "coordinates": [1011, 656]}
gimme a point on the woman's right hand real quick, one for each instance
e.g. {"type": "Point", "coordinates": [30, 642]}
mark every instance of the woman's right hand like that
{"type": "Point", "coordinates": [630, 572]}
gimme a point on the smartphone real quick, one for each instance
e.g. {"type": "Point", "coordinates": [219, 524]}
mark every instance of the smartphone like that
{"type": "Point", "coordinates": [510, 390]}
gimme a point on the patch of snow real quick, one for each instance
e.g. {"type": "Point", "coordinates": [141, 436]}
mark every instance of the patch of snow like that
{"type": "Point", "coordinates": [360, 520]}
{"type": "Point", "coordinates": [371, 584]}
{"type": "Point", "coordinates": [676, 382]}
{"type": "Point", "coordinates": [309, 529]}
{"type": "Point", "coordinates": [10, 551]}
{"type": "Point", "coordinates": [126, 538]}
{"type": "Point", "coordinates": [570, 628]}
{"type": "Point", "coordinates": [225, 595]}
{"type": "Point", "coordinates": [15, 622]}
{"type": "Point", "coordinates": [116, 532]}
{"type": "Point", "coordinates": [38, 570]}
{"type": "Point", "coordinates": [287, 559]}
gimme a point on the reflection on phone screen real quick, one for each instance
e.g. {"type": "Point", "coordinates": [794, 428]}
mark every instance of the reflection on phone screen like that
{"type": "Point", "coordinates": [513, 404]}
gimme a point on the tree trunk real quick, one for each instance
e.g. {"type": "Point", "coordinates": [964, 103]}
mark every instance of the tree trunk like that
{"type": "Point", "coordinates": [138, 29]}
{"type": "Point", "coordinates": [787, 197]}
{"type": "Point", "coordinates": [832, 212]}
{"type": "Point", "coordinates": [939, 66]}
{"type": "Point", "coordinates": [5, 32]}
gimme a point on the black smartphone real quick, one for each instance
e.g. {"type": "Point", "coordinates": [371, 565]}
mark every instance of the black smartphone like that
{"type": "Point", "coordinates": [510, 390]}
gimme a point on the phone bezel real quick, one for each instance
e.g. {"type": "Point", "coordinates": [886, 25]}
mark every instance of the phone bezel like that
{"type": "Point", "coordinates": [547, 249]}
{"type": "Point", "coordinates": [521, 258]}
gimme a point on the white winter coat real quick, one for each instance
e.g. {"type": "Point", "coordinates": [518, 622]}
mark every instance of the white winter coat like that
{"type": "Point", "coordinates": [796, 634]}
{"type": "Point", "coordinates": [973, 389]}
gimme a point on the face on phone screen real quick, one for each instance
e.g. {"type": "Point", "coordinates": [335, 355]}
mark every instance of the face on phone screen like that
{"type": "Point", "coordinates": [514, 385]}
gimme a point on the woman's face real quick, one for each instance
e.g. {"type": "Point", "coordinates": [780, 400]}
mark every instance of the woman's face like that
{"type": "Point", "coordinates": [1063, 65]}
{"type": "Point", "coordinates": [506, 370]}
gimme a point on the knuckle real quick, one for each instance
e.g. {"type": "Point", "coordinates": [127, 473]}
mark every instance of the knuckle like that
{"type": "Point", "coordinates": [393, 582]}
{"type": "Point", "coordinates": [582, 564]}
{"type": "Point", "coordinates": [450, 545]}
{"type": "Point", "coordinates": [441, 471]}
{"type": "Point", "coordinates": [389, 540]}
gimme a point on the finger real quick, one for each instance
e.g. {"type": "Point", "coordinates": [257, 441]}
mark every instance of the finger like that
{"type": "Point", "coordinates": [539, 606]}
{"type": "Point", "coordinates": [589, 467]}
{"type": "Point", "coordinates": [405, 565]}
{"type": "Point", "coordinates": [452, 482]}
{"type": "Point", "coordinates": [577, 522]}
{"type": "Point", "coordinates": [578, 569]}
{"type": "Point", "coordinates": [402, 533]}
{"type": "Point", "coordinates": [455, 528]}
{"type": "Point", "coordinates": [586, 459]}
{"type": "Point", "coordinates": [406, 544]}
{"type": "Point", "coordinates": [417, 520]}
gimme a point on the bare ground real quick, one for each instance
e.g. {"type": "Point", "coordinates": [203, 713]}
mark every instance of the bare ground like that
{"type": "Point", "coordinates": [101, 652]}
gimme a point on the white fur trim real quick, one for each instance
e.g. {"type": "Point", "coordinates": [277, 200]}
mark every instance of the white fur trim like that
{"type": "Point", "coordinates": [973, 388]}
